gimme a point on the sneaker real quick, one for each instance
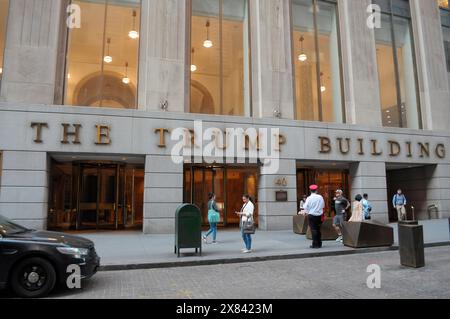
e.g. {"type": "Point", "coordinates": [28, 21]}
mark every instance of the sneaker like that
{"type": "Point", "coordinates": [204, 239]}
{"type": "Point", "coordinates": [243, 249]}
{"type": "Point", "coordinates": [339, 239]}
{"type": "Point", "coordinates": [246, 251]}
{"type": "Point", "coordinates": [214, 242]}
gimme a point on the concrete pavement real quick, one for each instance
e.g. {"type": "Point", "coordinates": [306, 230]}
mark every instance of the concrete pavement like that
{"type": "Point", "coordinates": [134, 250]}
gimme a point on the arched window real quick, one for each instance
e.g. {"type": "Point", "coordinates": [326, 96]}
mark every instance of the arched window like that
{"type": "Point", "coordinates": [102, 55]}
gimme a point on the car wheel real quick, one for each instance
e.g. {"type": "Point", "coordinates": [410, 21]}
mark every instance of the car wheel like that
{"type": "Point", "coordinates": [33, 278]}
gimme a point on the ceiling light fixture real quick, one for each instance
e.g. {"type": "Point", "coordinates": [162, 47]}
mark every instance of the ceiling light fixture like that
{"type": "Point", "coordinates": [133, 34]}
{"type": "Point", "coordinates": [193, 66]}
{"type": "Point", "coordinates": [302, 56]}
{"type": "Point", "coordinates": [208, 43]}
{"type": "Point", "coordinates": [126, 79]}
{"type": "Point", "coordinates": [323, 88]}
{"type": "Point", "coordinates": [108, 58]}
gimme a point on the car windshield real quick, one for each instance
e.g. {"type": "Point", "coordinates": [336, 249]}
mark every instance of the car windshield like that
{"type": "Point", "coordinates": [7, 227]}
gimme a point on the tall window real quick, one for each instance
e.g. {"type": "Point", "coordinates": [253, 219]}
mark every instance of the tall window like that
{"type": "Point", "coordinates": [102, 56]}
{"type": "Point", "coordinates": [317, 61]}
{"type": "Point", "coordinates": [4, 5]}
{"type": "Point", "coordinates": [220, 63]}
{"type": "Point", "coordinates": [445, 18]}
{"type": "Point", "coordinates": [396, 66]}
{"type": "Point", "coordinates": [443, 4]}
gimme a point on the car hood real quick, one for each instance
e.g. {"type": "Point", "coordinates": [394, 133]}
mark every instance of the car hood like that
{"type": "Point", "coordinates": [54, 238]}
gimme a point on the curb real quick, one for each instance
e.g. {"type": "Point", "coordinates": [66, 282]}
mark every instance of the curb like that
{"type": "Point", "coordinates": [223, 261]}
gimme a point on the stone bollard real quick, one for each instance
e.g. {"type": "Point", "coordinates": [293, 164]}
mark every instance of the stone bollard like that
{"type": "Point", "coordinates": [411, 244]}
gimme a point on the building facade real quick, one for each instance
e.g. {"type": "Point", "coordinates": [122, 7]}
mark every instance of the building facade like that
{"type": "Point", "coordinates": [358, 92]}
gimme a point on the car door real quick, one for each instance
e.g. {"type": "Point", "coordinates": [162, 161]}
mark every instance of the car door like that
{"type": "Point", "coordinates": [9, 252]}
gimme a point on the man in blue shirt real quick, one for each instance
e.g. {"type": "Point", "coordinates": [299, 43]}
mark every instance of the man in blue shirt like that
{"type": "Point", "coordinates": [399, 202]}
{"type": "Point", "coordinates": [367, 207]}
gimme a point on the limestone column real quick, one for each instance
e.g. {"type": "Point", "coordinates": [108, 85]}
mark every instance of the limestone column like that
{"type": "Point", "coordinates": [163, 193]}
{"type": "Point", "coordinates": [431, 65]}
{"type": "Point", "coordinates": [162, 61]}
{"type": "Point", "coordinates": [272, 74]}
{"type": "Point", "coordinates": [275, 215]}
{"type": "Point", "coordinates": [370, 178]}
{"type": "Point", "coordinates": [24, 188]}
{"type": "Point", "coordinates": [31, 51]}
{"type": "Point", "coordinates": [438, 188]}
{"type": "Point", "coordinates": [359, 61]}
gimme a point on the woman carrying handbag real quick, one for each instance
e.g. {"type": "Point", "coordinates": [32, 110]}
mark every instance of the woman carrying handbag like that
{"type": "Point", "coordinates": [213, 218]}
{"type": "Point", "coordinates": [247, 223]}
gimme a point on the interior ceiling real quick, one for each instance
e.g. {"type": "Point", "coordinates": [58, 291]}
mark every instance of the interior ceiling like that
{"type": "Point", "coordinates": [86, 44]}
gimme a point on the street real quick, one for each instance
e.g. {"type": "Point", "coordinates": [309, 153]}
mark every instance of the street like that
{"type": "Point", "coordinates": [324, 278]}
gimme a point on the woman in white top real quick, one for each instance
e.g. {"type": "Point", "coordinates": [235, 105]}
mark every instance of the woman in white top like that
{"type": "Point", "coordinates": [357, 210]}
{"type": "Point", "coordinates": [246, 214]}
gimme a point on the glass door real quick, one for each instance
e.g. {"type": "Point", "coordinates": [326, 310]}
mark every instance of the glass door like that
{"type": "Point", "coordinates": [98, 196]}
{"type": "Point", "coordinates": [328, 181]}
{"type": "Point", "coordinates": [229, 184]}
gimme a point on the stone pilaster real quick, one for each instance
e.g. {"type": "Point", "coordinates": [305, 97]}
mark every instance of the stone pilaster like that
{"type": "Point", "coordinates": [162, 61]}
{"type": "Point", "coordinates": [272, 73]}
{"type": "Point", "coordinates": [32, 44]}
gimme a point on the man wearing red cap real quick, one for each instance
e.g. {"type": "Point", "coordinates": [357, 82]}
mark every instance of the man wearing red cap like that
{"type": "Point", "coordinates": [314, 208]}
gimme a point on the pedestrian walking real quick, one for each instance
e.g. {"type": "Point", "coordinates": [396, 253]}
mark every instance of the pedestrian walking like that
{"type": "Point", "coordinates": [399, 203]}
{"type": "Point", "coordinates": [313, 207]}
{"type": "Point", "coordinates": [247, 223]}
{"type": "Point", "coordinates": [357, 210]}
{"type": "Point", "coordinates": [341, 204]}
{"type": "Point", "coordinates": [367, 207]}
{"type": "Point", "coordinates": [213, 218]}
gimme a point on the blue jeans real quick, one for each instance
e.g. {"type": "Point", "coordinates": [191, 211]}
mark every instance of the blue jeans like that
{"type": "Point", "coordinates": [213, 231]}
{"type": "Point", "coordinates": [247, 240]}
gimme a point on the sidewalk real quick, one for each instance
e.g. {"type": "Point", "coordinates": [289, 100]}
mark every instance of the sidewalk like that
{"type": "Point", "coordinates": [134, 250]}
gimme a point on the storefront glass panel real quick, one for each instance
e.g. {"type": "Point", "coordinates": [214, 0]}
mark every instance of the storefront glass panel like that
{"type": "Point", "coordinates": [317, 61]}
{"type": "Point", "coordinates": [95, 196]}
{"type": "Point", "coordinates": [220, 63]}
{"type": "Point", "coordinates": [228, 183]}
{"type": "Point", "coordinates": [328, 181]}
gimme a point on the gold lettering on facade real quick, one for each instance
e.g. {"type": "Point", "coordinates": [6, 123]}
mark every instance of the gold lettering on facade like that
{"type": "Point", "coordinates": [424, 149]}
{"type": "Point", "coordinates": [75, 134]}
{"type": "Point", "coordinates": [395, 148]}
{"type": "Point", "coordinates": [409, 146]}
{"type": "Point", "coordinates": [361, 146]}
{"type": "Point", "coordinates": [39, 127]}
{"type": "Point", "coordinates": [162, 136]}
{"type": "Point", "coordinates": [325, 145]}
{"type": "Point", "coordinates": [249, 141]}
{"type": "Point", "coordinates": [440, 151]}
{"type": "Point", "coordinates": [375, 151]}
{"type": "Point", "coordinates": [282, 140]}
{"type": "Point", "coordinates": [343, 150]}
{"type": "Point", "coordinates": [103, 135]}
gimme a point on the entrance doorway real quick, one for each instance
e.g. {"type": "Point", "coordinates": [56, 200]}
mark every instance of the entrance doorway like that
{"type": "Point", "coordinates": [86, 196]}
{"type": "Point", "coordinates": [228, 183]}
{"type": "Point", "coordinates": [328, 181]}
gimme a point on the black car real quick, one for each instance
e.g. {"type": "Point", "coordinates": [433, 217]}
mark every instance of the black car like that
{"type": "Point", "coordinates": [33, 262]}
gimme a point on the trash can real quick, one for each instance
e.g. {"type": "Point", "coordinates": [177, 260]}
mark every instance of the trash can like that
{"type": "Point", "coordinates": [433, 212]}
{"type": "Point", "coordinates": [188, 228]}
{"type": "Point", "coordinates": [411, 245]}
